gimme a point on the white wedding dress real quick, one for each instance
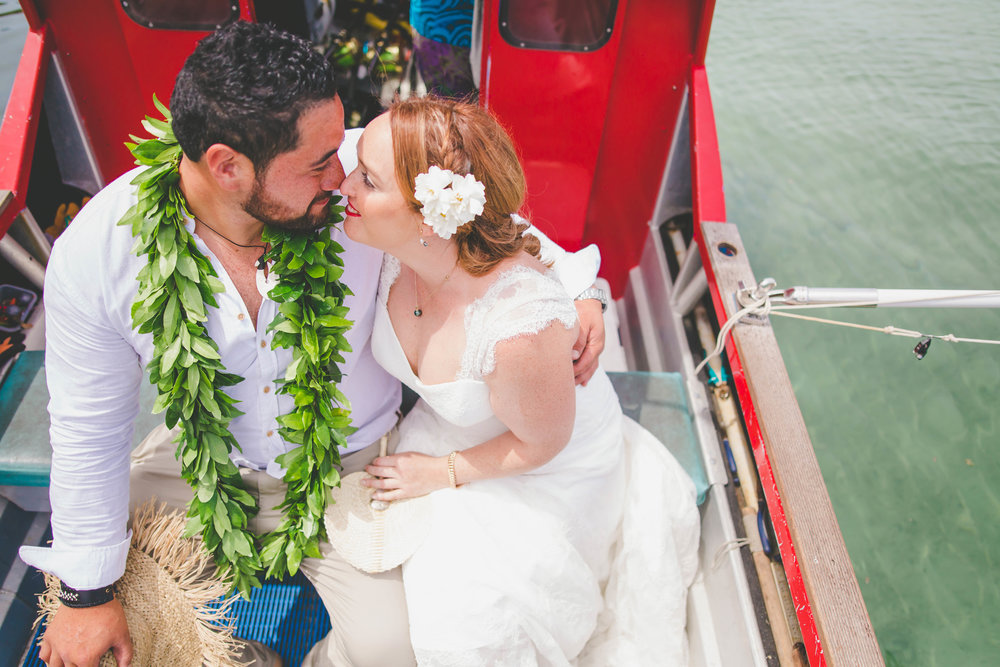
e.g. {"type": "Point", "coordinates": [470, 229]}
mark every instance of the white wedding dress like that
{"type": "Point", "coordinates": [583, 561]}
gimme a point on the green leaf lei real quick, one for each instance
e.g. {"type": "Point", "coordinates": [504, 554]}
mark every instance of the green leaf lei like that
{"type": "Point", "coordinates": [175, 286]}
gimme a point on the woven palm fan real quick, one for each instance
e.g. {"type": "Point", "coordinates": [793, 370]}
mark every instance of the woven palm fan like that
{"type": "Point", "coordinates": [373, 535]}
{"type": "Point", "coordinates": [166, 593]}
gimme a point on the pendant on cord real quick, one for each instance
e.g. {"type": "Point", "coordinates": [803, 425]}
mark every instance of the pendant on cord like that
{"type": "Point", "coordinates": [417, 312]}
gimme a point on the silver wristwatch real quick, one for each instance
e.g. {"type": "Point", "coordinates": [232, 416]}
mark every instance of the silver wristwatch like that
{"type": "Point", "coordinates": [594, 293]}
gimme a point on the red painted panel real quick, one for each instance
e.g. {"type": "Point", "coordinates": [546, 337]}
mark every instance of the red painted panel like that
{"type": "Point", "coordinates": [706, 165]}
{"type": "Point", "coordinates": [704, 27]}
{"type": "Point", "coordinates": [20, 124]}
{"type": "Point", "coordinates": [114, 66]}
{"type": "Point", "coordinates": [709, 206]}
{"type": "Point", "coordinates": [647, 89]}
{"type": "Point", "coordinates": [595, 128]}
{"type": "Point", "coordinates": [31, 15]}
{"type": "Point", "coordinates": [553, 103]}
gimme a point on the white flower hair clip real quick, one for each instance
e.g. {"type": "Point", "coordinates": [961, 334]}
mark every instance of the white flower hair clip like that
{"type": "Point", "coordinates": [449, 200]}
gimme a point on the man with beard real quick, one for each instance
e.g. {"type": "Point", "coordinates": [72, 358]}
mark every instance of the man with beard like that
{"type": "Point", "coordinates": [262, 131]}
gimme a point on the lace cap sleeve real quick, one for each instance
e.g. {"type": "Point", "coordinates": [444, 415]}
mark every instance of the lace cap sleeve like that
{"type": "Point", "coordinates": [390, 271]}
{"type": "Point", "coordinates": [521, 302]}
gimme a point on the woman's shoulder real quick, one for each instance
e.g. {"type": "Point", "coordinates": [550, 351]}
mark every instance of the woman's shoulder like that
{"type": "Point", "coordinates": [522, 300]}
{"type": "Point", "coordinates": [522, 273]}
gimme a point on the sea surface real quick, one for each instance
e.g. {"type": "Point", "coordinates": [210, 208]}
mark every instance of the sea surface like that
{"type": "Point", "coordinates": [861, 148]}
{"type": "Point", "coordinates": [12, 31]}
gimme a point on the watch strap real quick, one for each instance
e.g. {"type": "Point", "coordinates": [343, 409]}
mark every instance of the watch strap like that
{"type": "Point", "coordinates": [79, 599]}
{"type": "Point", "coordinates": [594, 293]}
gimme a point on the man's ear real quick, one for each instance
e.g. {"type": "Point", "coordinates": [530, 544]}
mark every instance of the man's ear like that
{"type": "Point", "coordinates": [232, 170]}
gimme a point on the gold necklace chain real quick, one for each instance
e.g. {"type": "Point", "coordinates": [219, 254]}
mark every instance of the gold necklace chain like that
{"type": "Point", "coordinates": [417, 310]}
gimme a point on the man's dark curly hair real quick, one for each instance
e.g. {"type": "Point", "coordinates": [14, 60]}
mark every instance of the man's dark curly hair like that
{"type": "Point", "coordinates": [245, 86]}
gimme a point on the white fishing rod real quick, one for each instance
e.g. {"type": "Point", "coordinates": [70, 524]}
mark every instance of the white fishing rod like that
{"type": "Point", "coordinates": [886, 298]}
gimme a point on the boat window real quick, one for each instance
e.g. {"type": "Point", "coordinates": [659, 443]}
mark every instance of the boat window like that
{"type": "Point", "coordinates": [182, 14]}
{"type": "Point", "coordinates": [560, 25]}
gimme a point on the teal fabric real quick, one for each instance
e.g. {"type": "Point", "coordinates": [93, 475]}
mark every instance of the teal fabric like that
{"type": "Point", "coordinates": [25, 453]}
{"type": "Point", "coordinates": [658, 401]}
{"type": "Point", "coordinates": [445, 21]}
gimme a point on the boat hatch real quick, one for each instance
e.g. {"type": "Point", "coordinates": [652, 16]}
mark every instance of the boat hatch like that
{"type": "Point", "coordinates": [583, 26]}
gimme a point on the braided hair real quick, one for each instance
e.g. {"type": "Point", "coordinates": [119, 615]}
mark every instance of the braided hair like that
{"type": "Point", "coordinates": [465, 139]}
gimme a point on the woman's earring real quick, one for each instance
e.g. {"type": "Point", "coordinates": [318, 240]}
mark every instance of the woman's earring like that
{"type": "Point", "coordinates": [424, 242]}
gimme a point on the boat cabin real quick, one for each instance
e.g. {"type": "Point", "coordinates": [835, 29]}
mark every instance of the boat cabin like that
{"type": "Point", "coordinates": [609, 103]}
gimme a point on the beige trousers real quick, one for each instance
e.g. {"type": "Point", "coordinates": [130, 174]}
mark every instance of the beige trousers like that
{"type": "Point", "coordinates": [367, 611]}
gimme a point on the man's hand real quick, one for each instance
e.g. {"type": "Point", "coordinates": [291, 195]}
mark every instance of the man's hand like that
{"type": "Point", "coordinates": [590, 343]}
{"type": "Point", "coordinates": [80, 637]}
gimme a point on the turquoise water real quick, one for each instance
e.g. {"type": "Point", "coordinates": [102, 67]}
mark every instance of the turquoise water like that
{"type": "Point", "coordinates": [12, 31]}
{"type": "Point", "coordinates": [861, 148]}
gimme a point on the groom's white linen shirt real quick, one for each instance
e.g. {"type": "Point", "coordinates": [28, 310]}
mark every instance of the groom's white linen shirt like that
{"type": "Point", "coordinates": [94, 366]}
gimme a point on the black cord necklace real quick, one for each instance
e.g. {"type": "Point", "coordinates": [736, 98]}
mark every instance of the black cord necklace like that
{"type": "Point", "coordinates": [260, 260]}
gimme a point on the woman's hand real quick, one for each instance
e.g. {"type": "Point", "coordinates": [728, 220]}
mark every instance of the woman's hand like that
{"type": "Point", "coordinates": [407, 475]}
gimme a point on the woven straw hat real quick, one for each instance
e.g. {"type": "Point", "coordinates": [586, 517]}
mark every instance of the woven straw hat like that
{"type": "Point", "coordinates": [165, 592]}
{"type": "Point", "coordinates": [370, 538]}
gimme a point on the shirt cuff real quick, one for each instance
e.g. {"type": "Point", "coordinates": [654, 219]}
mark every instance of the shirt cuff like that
{"type": "Point", "coordinates": [575, 270]}
{"type": "Point", "coordinates": [578, 270]}
{"type": "Point", "coordinates": [85, 568]}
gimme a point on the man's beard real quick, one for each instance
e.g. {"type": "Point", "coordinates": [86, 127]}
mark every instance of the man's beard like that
{"type": "Point", "coordinates": [263, 208]}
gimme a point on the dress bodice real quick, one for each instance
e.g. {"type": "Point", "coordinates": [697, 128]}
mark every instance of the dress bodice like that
{"type": "Point", "coordinates": [519, 302]}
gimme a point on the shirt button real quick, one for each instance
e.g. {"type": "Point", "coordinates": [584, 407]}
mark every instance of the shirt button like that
{"type": "Point", "coordinates": [241, 316]}
{"type": "Point", "coordinates": [267, 390]}
{"type": "Point", "coordinates": [263, 343]}
{"type": "Point", "coordinates": [269, 433]}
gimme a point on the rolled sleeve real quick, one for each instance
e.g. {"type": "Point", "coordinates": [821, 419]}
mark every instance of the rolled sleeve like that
{"type": "Point", "coordinates": [84, 569]}
{"type": "Point", "coordinates": [93, 377]}
{"type": "Point", "coordinates": [575, 270]}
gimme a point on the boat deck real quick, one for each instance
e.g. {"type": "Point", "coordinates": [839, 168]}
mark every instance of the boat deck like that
{"type": "Point", "coordinates": [287, 616]}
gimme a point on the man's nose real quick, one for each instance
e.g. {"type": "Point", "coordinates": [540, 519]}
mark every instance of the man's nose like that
{"type": "Point", "coordinates": [333, 176]}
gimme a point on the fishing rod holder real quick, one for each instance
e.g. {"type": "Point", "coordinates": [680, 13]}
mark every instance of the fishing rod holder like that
{"type": "Point", "coordinates": [755, 298]}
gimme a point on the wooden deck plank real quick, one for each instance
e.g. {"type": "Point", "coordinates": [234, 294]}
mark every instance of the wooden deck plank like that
{"type": "Point", "coordinates": [841, 618]}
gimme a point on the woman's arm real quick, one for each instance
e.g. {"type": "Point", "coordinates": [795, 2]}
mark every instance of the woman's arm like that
{"type": "Point", "coordinates": [577, 271]}
{"type": "Point", "coordinates": [531, 391]}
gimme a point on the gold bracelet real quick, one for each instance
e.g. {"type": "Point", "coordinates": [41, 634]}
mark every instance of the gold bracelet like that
{"type": "Point", "coordinates": [451, 470]}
